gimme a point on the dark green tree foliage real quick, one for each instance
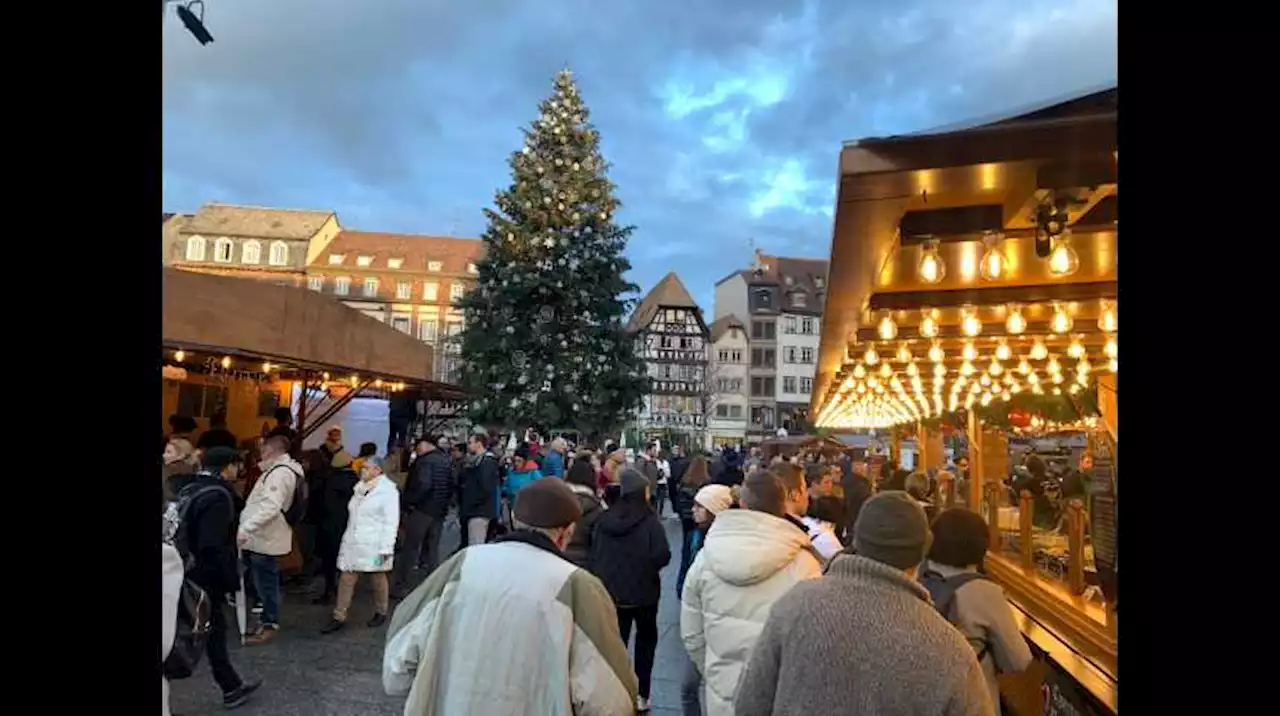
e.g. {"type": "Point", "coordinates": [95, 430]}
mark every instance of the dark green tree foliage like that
{"type": "Point", "coordinates": [545, 342]}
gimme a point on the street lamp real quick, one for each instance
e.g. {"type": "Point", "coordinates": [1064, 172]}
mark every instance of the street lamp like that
{"type": "Point", "coordinates": [194, 23]}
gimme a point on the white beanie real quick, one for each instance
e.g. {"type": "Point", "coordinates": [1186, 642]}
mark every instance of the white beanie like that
{"type": "Point", "coordinates": [714, 498]}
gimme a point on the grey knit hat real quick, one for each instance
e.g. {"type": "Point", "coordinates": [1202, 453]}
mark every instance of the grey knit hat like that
{"type": "Point", "coordinates": [892, 528]}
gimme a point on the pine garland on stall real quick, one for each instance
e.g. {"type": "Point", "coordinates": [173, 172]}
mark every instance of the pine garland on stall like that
{"type": "Point", "coordinates": [544, 342]}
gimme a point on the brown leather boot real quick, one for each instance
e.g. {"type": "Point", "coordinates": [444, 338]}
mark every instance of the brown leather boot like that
{"type": "Point", "coordinates": [265, 635]}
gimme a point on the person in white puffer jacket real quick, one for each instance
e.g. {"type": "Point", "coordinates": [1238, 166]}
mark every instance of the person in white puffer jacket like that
{"type": "Point", "coordinates": [751, 558]}
{"type": "Point", "coordinates": [171, 585]}
{"type": "Point", "coordinates": [369, 544]}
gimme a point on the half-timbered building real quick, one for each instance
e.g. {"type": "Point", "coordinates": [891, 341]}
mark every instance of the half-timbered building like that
{"type": "Point", "coordinates": [673, 339]}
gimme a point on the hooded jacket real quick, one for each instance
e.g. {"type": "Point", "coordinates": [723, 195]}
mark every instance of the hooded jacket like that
{"type": "Point", "coordinates": [750, 559]}
{"type": "Point", "coordinates": [520, 475]}
{"type": "Point", "coordinates": [628, 551]}
{"type": "Point", "coordinates": [509, 628]}
{"type": "Point", "coordinates": [578, 550]}
{"type": "Point", "coordinates": [263, 515]}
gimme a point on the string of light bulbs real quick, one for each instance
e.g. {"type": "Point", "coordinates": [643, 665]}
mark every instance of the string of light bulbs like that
{"type": "Point", "coordinates": [226, 362]}
{"type": "Point", "coordinates": [1063, 259]}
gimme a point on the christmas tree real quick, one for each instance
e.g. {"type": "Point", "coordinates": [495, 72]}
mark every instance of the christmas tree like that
{"type": "Point", "coordinates": [544, 343]}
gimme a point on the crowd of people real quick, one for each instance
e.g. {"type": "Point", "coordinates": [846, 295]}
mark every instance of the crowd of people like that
{"type": "Point", "coordinates": [802, 582]}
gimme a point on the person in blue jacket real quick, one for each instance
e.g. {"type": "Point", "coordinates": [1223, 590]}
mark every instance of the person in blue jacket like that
{"type": "Point", "coordinates": [522, 472]}
{"type": "Point", "coordinates": [553, 463]}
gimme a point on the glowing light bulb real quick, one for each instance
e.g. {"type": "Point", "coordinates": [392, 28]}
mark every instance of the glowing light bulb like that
{"type": "Point", "coordinates": [1024, 367]}
{"type": "Point", "coordinates": [326, 376]}
{"type": "Point", "coordinates": [355, 379]}
{"type": "Point", "coordinates": [377, 383]}
{"type": "Point", "coordinates": [1082, 379]}
{"type": "Point", "coordinates": [929, 322]}
{"type": "Point", "coordinates": [1061, 321]}
{"type": "Point", "coordinates": [1003, 352]}
{"type": "Point", "coordinates": [939, 370]}
{"type": "Point", "coordinates": [1074, 389]}
{"type": "Point", "coordinates": [1037, 390]}
{"type": "Point", "coordinates": [966, 369]}
{"type": "Point", "coordinates": [931, 269]}
{"type": "Point", "coordinates": [871, 357]}
{"type": "Point", "coordinates": [1033, 379]}
{"type": "Point", "coordinates": [1083, 367]}
{"type": "Point", "coordinates": [969, 352]}
{"type": "Point", "coordinates": [1009, 379]}
{"type": "Point", "coordinates": [266, 367]}
{"type": "Point", "coordinates": [226, 362]}
{"type": "Point", "coordinates": [1038, 350]}
{"type": "Point", "coordinates": [1015, 323]}
{"type": "Point", "coordinates": [913, 370]}
{"type": "Point", "coordinates": [861, 388]}
{"type": "Point", "coordinates": [1113, 365]}
{"type": "Point", "coordinates": [993, 261]}
{"type": "Point", "coordinates": [1006, 396]}
{"type": "Point", "coordinates": [1063, 260]}
{"type": "Point", "coordinates": [1056, 378]}
{"type": "Point", "coordinates": [985, 380]}
{"type": "Point", "coordinates": [1076, 349]}
{"type": "Point", "coordinates": [1054, 366]}
{"type": "Point", "coordinates": [888, 330]}
{"type": "Point", "coordinates": [995, 368]}
{"type": "Point", "coordinates": [969, 324]}
{"type": "Point", "coordinates": [936, 354]}
{"type": "Point", "coordinates": [904, 353]}
{"type": "Point", "coordinates": [986, 399]}
{"type": "Point", "coordinates": [1110, 349]}
{"type": "Point", "coordinates": [1108, 321]}
{"type": "Point", "coordinates": [179, 355]}
{"type": "Point", "coordinates": [885, 370]}
{"type": "Point", "coordinates": [1015, 388]}
{"type": "Point", "coordinates": [1057, 390]}
{"type": "Point", "coordinates": [859, 371]}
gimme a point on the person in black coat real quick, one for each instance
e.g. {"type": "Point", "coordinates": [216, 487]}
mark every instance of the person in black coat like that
{"type": "Point", "coordinates": [217, 435]}
{"type": "Point", "coordinates": [337, 486]}
{"type": "Point", "coordinates": [424, 502]}
{"type": "Point", "coordinates": [731, 473]}
{"type": "Point", "coordinates": [581, 478]}
{"type": "Point", "coordinates": [857, 490]}
{"type": "Point", "coordinates": [679, 464]}
{"type": "Point", "coordinates": [207, 541]}
{"type": "Point", "coordinates": [628, 551]}
{"type": "Point", "coordinates": [697, 475]}
{"type": "Point", "coordinates": [480, 479]}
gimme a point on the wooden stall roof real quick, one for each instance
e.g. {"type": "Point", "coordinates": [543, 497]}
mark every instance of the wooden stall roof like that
{"type": "Point", "coordinates": [991, 161]}
{"type": "Point", "coordinates": [287, 324]}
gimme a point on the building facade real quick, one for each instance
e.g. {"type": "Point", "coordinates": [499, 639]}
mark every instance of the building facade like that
{"type": "Point", "coordinates": [411, 283]}
{"type": "Point", "coordinates": [247, 241]}
{"type": "Point", "coordinates": [730, 409]}
{"type": "Point", "coordinates": [781, 300]}
{"type": "Point", "coordinates": [672, 338]}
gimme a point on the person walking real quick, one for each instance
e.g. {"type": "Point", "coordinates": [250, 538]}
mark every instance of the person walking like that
{"type": "Point", "coordinates": [628, 551]}
{"type": "Point", "coordinates": [265, 534]}
{"type": "Point", "coordinates": [751, 558]}
{"type": "Point", "coordinates": [336, 488]}
{"type": "Point", "coordinates": [710, 501]}
{"type": "Point", "coordinates": [423, 504]}
{"type": "Point", "coordinates": [480, 482]}
{"type": "Point", "coordinates": [695, 477]}
{"type": "Point", "coordinates": [553, 463]}
{"type": "Point", "coordinates": [171, 588]}
{"type": "Point", "coordinates": [368, 545]}
{"type": "Point", "coordinates": [178, 459]}
{"type": "Point", "coordinates": [647, 465]}
{"type": "Point", "coordinates": [519, 629]}
{"type": "Point", "coordinates": [974, 604]}
{"type": "Point", "coordinates": [206, 540]}
{"type": "Point", "coordinates": [582, 480]}
{"type": "Point", "coordinates": [865, 639]}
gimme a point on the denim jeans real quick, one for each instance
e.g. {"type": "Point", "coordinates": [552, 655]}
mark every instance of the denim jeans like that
{"type": "Point", "coordinates": [265, 571]}
{"type": "Point", "coordinates": [690, 688]}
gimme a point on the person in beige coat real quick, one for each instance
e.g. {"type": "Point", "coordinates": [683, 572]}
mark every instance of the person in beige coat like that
{"type": "Point", "coordinates": [264, 534]}
{"type": "Point", "coordinates": [751, 558]}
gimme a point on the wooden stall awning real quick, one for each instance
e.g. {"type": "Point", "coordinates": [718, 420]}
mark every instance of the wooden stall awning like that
{"type": "Point", "coordinates": [287, 325]}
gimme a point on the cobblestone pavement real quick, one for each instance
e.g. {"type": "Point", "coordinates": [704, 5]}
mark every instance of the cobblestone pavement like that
{"type": "Point", "coordinates": [308, 674]}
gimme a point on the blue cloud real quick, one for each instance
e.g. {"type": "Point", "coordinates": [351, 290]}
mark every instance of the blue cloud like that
{"type": "Point", "coordinates": [722, 119]}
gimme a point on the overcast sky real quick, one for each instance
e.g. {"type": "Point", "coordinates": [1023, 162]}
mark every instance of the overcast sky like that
{"type": "Point", "coordinates": [722, 118]}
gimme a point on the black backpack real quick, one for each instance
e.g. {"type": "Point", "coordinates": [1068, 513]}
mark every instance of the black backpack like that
{"type": "Point", "coordinates": [297, 509]}
{"type": "Point", "coordinates": [195, 611]}
{"type": "Point", "coordinates": [943, 591]}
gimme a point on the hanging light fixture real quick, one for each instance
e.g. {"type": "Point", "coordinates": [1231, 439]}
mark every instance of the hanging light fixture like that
{"type": "Point", "coordinates": [859, 371]}
{"type": "Point", "coordinates": [1063, 260]}
{"type": "Point", "coordinates": [179, 355]}
{"type": "Point", "coordinates": [226, 362]}
{"type": "Point", "coordinates": [936, 354]}
{"type": "Point", "coordinates": [929, 322]}
{"type": "Point", "coordinates": [1113, 365]}
{"type": "Point", "coordinates": [913, 370]}
{"type": "Point", "coordinates": [1108, 322]}
{"type": "Point", "coordinates": [887, 329]}
{"type": "Point", "coordinates": [904, 353]}
{"type": "Point", "coordinates": [984, 380]}
{"type": "Point", "coordinates": [1002, 351]}
{"type": "Point", "coordinates": [994, 262]}
{"type": "Point", "coordinates": [886, 370]}
{"type": "Point", "coordinates": [1061, 321]}
{"type": "Point", "coordinates": [995, 368]}
{"type": "Point", "coordinates": [966, 369]}
{"type": "Point", "coordinates": [871, 357]}
{"type": "Point", "coordinates": [1111, 349]}
{"type": "Point", "coordinates": [1024, 367]}
{"type": "Point", "coordinates": [1083, 367]}
{"type": "Point", "coordinates": [970, 352]}
{"type": "Point", "coordinates": [1038, 350]}
{"type": "Point", "coordinates": [931, 269]}
{"type": "Point", "coordinates": [1076, 348]}
{"type": "Point", "coordinates": [1053, 367]}
{"type": "Point", "coordinates": [969, 323]}
{"type": "Point", "coordinates": [1015, 323]}
{"type": "Point", "coordinates": [939, 370]}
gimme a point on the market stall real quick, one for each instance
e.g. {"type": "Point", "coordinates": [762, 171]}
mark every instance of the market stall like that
{"type": "Point", "coordinates": [973, 286]}
{"type": "Point", "coordinates": [247, 347]}
{"type": "Point", "coordinates": [791, 446]}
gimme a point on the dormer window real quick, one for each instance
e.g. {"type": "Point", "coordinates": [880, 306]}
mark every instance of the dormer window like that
{"type": "Point", "coordinates": [337, 259]}
{"type": "Point", "coordinates": [195, 248]}
{"type": "Point", "coordinates": [395, 263]}
{"type": "Point", "coordinates": [222, 250]}
{"type": "Point", "coordinates": [434, 266]}
{"type": "Point", "coordinates": [364, 261]}
{"type": "Point", "coordinates": [279, 255]}
{"type": "Point", "coordinates": [819, 281]}
{"type": "Point", "coordinates": [251, 253]}
{"type": "Point", "coordinates": [798, 299]}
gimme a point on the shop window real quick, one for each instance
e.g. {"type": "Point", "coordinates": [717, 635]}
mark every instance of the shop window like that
{"type": "Point", "coordinates": [201, 401]}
